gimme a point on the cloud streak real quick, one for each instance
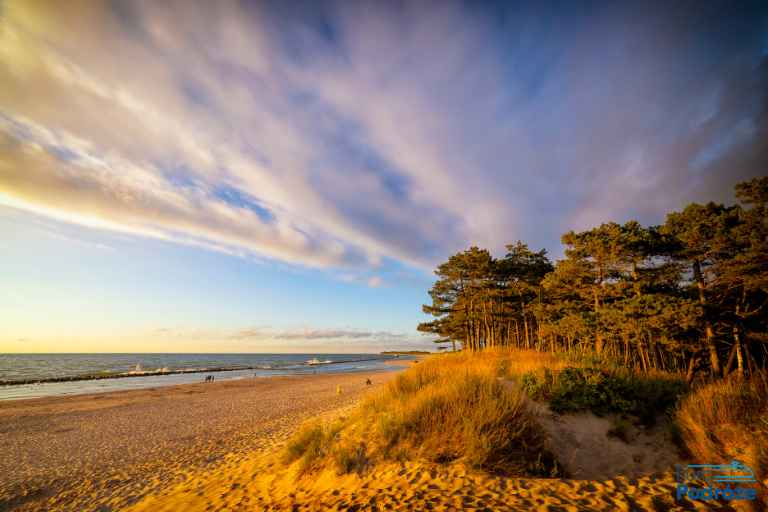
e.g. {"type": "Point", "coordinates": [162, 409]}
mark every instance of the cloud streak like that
{"type": "Point", "coordinates": [312, 334]}
{"type": "Point", "coordinates": [346, 135]}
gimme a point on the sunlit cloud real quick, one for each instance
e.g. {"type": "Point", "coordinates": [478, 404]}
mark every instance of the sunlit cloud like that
{"type": "Point", "coordinates": [348, 135]}
{"type": "Point", "coordinates": [308, 334]}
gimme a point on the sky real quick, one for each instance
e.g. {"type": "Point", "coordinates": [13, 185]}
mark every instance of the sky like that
{"type": "Point", "coordinates": [285, 176]}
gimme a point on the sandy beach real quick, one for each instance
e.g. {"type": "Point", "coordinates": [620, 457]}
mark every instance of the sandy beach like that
{"type": "Point", "coordinates": [208, 447]}
{"type": "Point", "coordinates": [107, 451]}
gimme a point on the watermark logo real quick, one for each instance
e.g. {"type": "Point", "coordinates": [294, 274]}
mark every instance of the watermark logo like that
{"type": "Point", "coordinates": [723, 481]}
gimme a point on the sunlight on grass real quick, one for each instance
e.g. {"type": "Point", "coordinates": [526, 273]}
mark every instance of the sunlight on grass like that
{"type": "Point", "coordinates": [451, 407]}
{"type": "Point", "coordinates": [726, 420]}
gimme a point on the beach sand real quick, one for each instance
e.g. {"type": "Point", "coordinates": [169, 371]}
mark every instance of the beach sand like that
{"type": "Point", "coordinates": [215, 447]}
{"type": "Point", "coordinates": [106, 451]}
{"type": "Point", "coordinates": [252, 485]}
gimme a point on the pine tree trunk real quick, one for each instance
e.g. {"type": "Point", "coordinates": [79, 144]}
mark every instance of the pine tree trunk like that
{"type": "Point", "coordinates": [731, 359]}
{"type": "Point", "coordinates": [714, 360]}
{"type": "Point", "coordinates": [517, 334]}
{"type": "Point", "coordinates": [635, 279]}
{"type": "Point", "coordinates": [739, 360]}
{"type": "Point", "coordinates": [626, 349]}
{"type": "Point", "coordinates": [737, 341]}
{"type": "Point", "coordinates": [525, 324]}
{"type": "Point", "coordinates": [598, 336]}
{"type": "Point", "coordinates": [641, 351]}
{"type": "Point", "coordinates": [691, 366]}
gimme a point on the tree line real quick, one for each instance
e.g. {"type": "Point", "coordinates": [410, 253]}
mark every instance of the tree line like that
{"type": "Point", "coordinates": [688, 295]}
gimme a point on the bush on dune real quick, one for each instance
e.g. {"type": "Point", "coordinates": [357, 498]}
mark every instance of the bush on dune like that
{"type": "Point", "coordinates": [604, 391]}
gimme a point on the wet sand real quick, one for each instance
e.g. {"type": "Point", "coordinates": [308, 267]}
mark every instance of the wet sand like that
{"type": "Point", "coordinates": [106, 451]}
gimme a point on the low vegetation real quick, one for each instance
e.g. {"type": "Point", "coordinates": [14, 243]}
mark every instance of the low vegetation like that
{"type": "Point", "coordinates": [727, 420]}
{"type": "Point", "coordinates": [450, 408]}
{"type": "Point", "coordinates": [605, 391]}
{"type": "Point", "coordinates": [474, 408]}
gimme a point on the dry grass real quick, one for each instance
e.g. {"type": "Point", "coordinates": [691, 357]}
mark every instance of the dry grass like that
{"type": "Point", "coordinates": [514, 363]}
{"type": "Point", "coordinates": [728, 420]}
{"type": "Point", "coordinates": [450, 407]}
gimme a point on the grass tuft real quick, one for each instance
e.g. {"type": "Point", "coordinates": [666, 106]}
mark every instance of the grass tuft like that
{"type": "Point", "coordinates": [451, 407]}
{"type": "Point", "coordinates": [727, 420]}
{"type": "Point", "coordinates": [311, 444]}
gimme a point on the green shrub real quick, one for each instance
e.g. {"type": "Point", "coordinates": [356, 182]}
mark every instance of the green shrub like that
{"type": "Point", "coordinates": [538, 384]}
{"type": "Point", "coordinates": [605, 391]}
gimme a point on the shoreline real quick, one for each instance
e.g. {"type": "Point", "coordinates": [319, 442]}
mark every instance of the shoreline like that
{"type": "Point", "coordinates": [69, 387]}
{"type": "Point", "coordinates": [83, 451]}
{"type": "Point", "coordinates": [180, 371]}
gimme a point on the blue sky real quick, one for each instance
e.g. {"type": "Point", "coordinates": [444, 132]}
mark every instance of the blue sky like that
{"type": "Point", "coordinates": [283, 176]}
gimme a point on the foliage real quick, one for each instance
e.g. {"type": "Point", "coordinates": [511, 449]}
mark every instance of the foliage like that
{"type": "Point", "coordinates": [604, 391]}
{"type": "Point", "coordinates": [690, 295]}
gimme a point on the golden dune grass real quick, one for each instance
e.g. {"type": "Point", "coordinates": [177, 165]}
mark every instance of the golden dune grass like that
{"type": "Point", "coordinates": [448, 408]}
{"type": "Point", "coordinates": [727, 420]}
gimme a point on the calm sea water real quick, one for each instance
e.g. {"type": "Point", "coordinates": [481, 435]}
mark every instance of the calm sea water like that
{"type": "Point", "coordinates": [21, 367]}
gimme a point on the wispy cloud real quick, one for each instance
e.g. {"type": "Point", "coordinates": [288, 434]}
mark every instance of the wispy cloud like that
{"type": "Point", "coordinates": [310, 334]}
{"type": "Point", "coordinates": [348, 134]}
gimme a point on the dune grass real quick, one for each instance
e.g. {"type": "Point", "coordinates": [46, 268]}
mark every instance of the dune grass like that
{"type": "Point", "coordinates": [474, 409]}
{"type": "Point", "coordinates": [727, 420]}
{"type": "Point", "coordinates": [450, 407]}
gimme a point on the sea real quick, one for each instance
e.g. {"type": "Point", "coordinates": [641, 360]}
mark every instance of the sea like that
{"type": "Point", "coordinates": [39, 375]}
